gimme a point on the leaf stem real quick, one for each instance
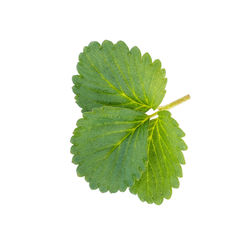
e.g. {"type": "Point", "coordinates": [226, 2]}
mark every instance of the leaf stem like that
{"type": "Point", "coordinates": [171, 105]}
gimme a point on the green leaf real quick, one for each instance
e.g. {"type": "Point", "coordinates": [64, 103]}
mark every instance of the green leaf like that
{"type": "Point", "coordinates": [116, 145]}
{"type": "Point", "coordinates": [112, 75]}
{"type": "Point", "coordinates": [110, 147]}
{"type": "Point", "coordinates": [165, 158]}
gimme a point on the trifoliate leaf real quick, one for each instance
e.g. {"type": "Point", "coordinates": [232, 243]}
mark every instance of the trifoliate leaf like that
{"type": "Point", "coordinates": [112, 75]}
{"type": "Point", "coordinates": [116, 145]}
{"type": "Point", "coordinates": [165, 159]}
{"type": "Point", "coordinates": [110, 147]}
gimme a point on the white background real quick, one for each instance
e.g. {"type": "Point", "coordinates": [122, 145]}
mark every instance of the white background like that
{"type": "Point", "coordinates": [205, 48]}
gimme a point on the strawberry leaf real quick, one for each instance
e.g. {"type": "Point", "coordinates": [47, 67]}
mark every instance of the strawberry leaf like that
{"type": "Point", "coordinates": [111, 74]}
{"type": "Point", "coordinates": [110, 147]}
{"type": "Point", "coordinates": [165, 158]}
{"type": "Point", "coordinates": [116, 145]}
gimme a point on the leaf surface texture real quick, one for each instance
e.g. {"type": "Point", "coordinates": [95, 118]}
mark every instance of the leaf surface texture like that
{"type": "Point", "coordinates": [112, 75]}
{"type": "Point", "coordinates": [110, 147]}
{"type": "Point", "coordinates": [165, 156]}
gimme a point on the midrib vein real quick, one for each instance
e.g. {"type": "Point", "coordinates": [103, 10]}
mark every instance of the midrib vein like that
{"type": "Point", "coordinates": [130, 133]}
